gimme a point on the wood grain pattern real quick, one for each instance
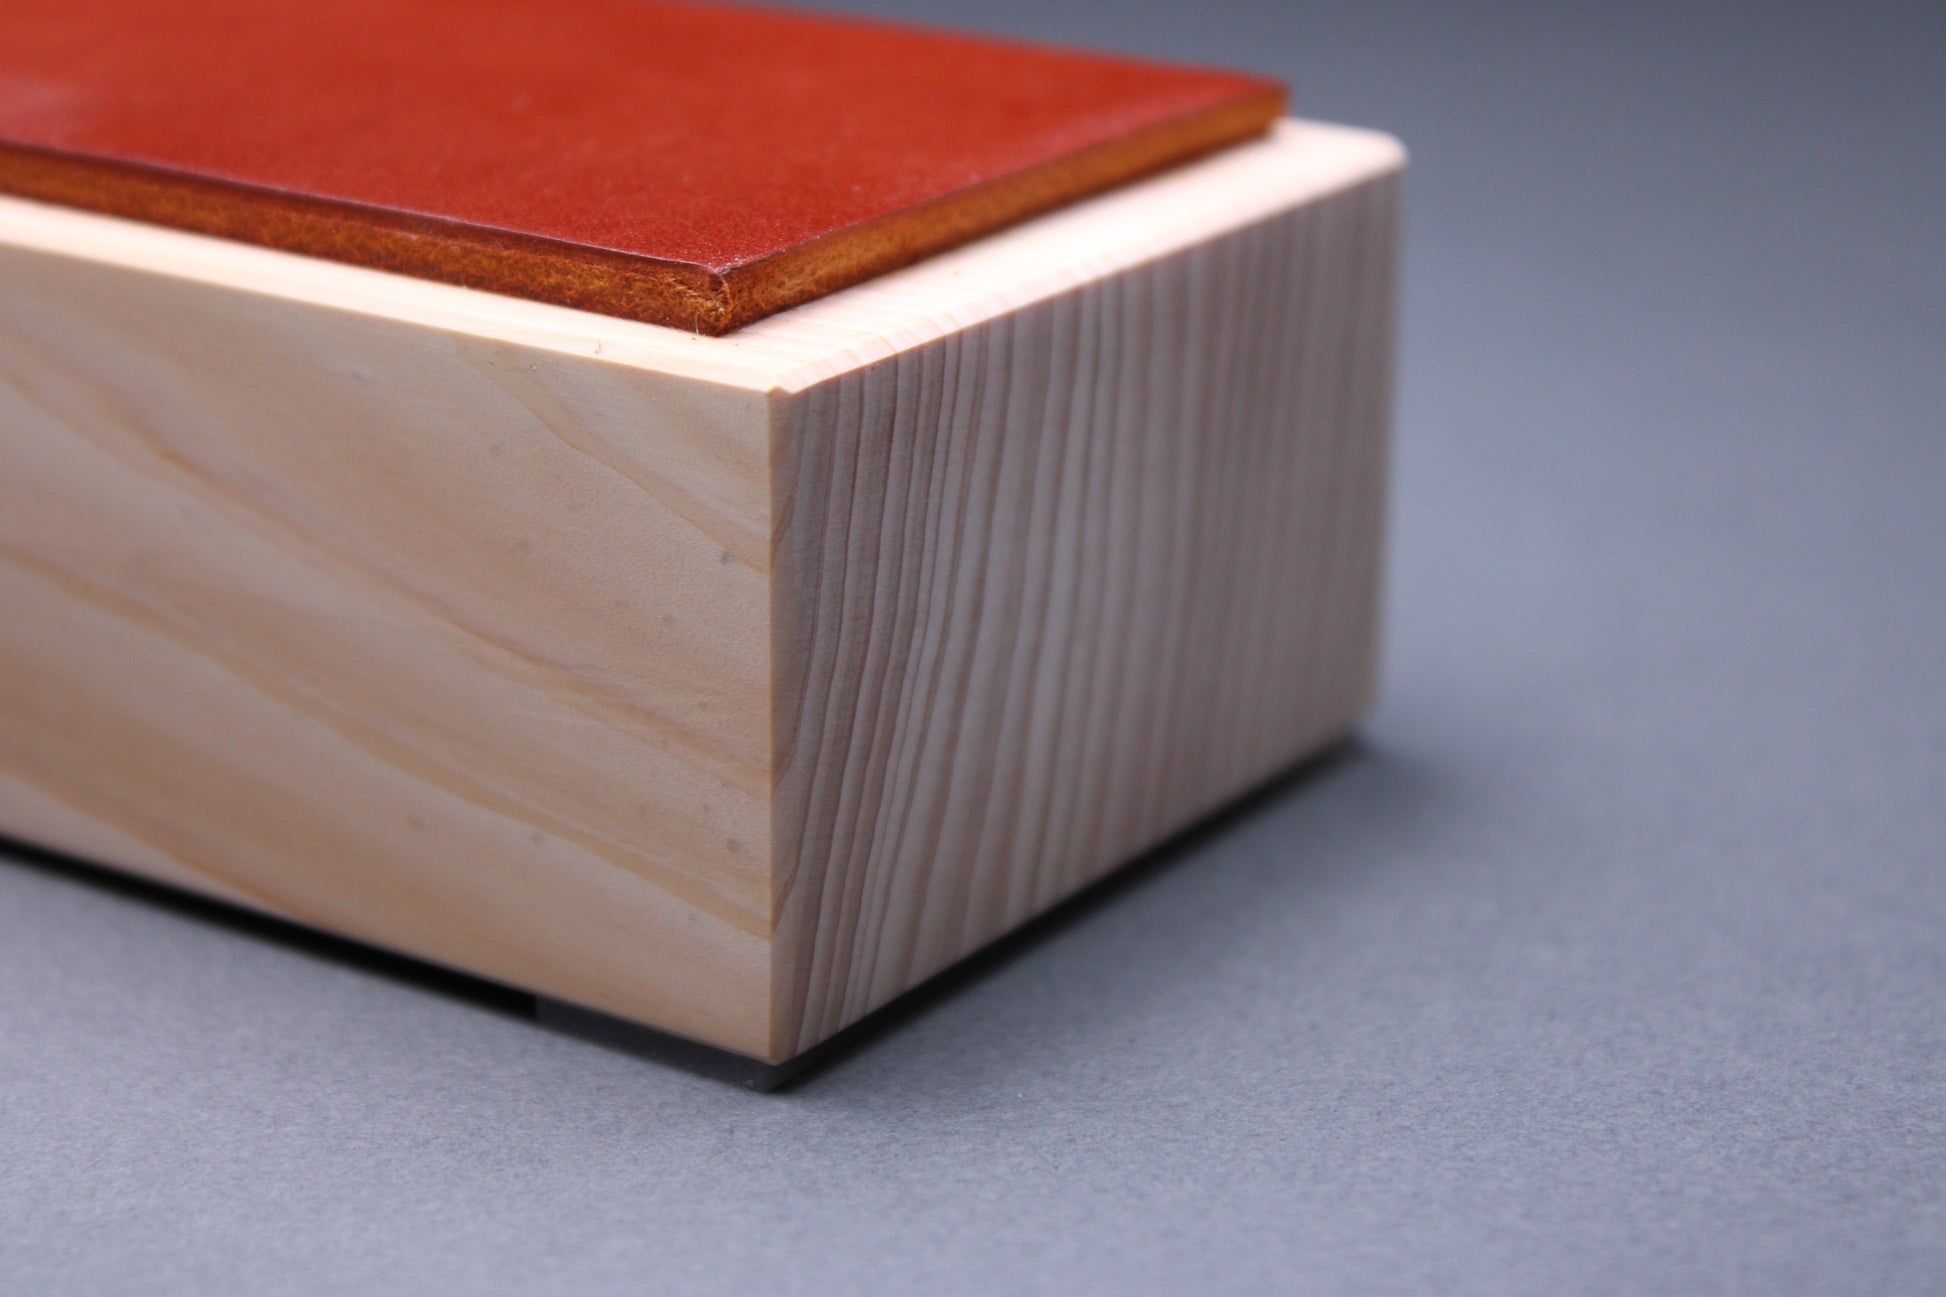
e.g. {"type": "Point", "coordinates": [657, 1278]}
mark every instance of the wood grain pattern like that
{"type": "Point", "coordinates": [1054, 586]}
{"type": "Point", "coordinates": [418, 597]}
{"type": "Point", "coordinates": [732, 685]}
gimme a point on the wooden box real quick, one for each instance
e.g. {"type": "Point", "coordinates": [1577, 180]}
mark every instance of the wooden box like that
{"type": "Point", "coordinates": [732, 685]}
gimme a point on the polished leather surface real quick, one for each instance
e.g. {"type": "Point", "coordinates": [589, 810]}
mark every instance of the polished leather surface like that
{"type": "Point", "coordinates": [566, 149]}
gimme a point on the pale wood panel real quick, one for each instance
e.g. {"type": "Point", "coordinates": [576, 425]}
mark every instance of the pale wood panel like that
{"type": "Point", "coordinates": [450, 644]}
{"type": "Point", "coordinates": [1054, 586]}
{"type": "Point", "coordinates": [730, 684]}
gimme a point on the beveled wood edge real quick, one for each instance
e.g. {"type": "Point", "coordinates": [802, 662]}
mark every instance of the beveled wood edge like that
{"type": "Point", "coordinates": [1037, 258]}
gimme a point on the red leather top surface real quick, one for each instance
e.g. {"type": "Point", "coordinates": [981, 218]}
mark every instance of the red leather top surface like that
{"type": "Point", "coordinates": [688, 133]}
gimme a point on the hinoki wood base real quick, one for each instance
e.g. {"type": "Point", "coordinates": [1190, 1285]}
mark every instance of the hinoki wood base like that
{"type": "Point", "coordinates": [731, 685]}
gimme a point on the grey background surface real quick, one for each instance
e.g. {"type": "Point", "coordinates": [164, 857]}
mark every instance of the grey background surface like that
{"type": "Point", "coordinates": [1613, 961]}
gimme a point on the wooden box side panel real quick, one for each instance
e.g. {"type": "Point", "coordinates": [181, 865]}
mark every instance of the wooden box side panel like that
{"type": "Point", "coordinates": [1053, 587]}
{"type": "Point", "coordinates": [454, 645]}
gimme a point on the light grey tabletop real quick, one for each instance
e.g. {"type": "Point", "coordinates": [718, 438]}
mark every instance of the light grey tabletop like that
{"type": "Point", "coordinates": [1614, 960]}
